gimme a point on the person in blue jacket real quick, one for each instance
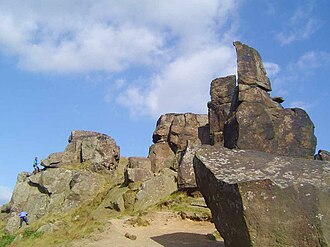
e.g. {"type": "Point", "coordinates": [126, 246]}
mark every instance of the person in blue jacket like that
{"type": "Point", "coordinates": [36, 169]}
{"type": "Point", "coordinates": [23, 217]}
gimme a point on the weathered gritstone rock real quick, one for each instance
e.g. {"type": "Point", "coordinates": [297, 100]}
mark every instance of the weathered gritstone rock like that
{"type": "Point", "coordinates": [161, 156]}
{"type": "Point", "coordinates": [173, 136]}
{"type": "Point", "coordinates": [258, 199]}
{"type": "Point", "coordinates": [137, 175]}
{"type": "Point", "coordinates": [325, 155]}
{"type": "Point", "coordinates": [114, 199]}
{"type": "Point", "coordinates": [222, 93]}
{"type": "Point", "coordinates": [139, 162]}
{"type": "Point", "coordinates": [99, 150]}
{"type": "Point", "coordinates": [250, 68]}
{"type": "Point", "coordinates": [186, 173]}
{"type": "Point", "coordinates": [53, 191]}
{"type": "Point", "coordinates": [258, 122]}
{"type": "Point", "coordinates": [154, 189]}
{"type": "Point", "coordinates": [138, 170]}
{"type": "Point", "coordinates": [177, 129]}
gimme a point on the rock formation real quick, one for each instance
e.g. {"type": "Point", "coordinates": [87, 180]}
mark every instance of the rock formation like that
{"type": "Point", "coordinates": [98, 150]}
{"type": "Point", "coordinates": [259, 199]}
{"type": "Point", "coordinates": [175, 138]}
{"type": "Point", "coordinates": [253, 119]}
{"type": "Point", "coordinates": [250, 68]}
{"type": "Point", "coordinates": [222, 93]}
{"type": "Point", "coordinates": [89, 166]}
{"type": "Point", "coordinates": [90, 160]}
{"type": "Point", "coordinates": [256, 197]}
{"type": "Point", "coordinates": [53, 191]}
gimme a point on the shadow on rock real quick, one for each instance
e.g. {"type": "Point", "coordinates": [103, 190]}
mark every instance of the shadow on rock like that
{"type": "Point", "coordinates": [186, 239]}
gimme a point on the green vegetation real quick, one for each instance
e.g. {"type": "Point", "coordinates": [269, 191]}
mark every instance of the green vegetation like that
{"type": "Point", "coordinates": [5, 239]}
{"type": "Point", "coordinates": [63, 228]}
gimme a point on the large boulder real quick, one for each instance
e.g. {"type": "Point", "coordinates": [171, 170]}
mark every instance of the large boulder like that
{"type": "Point", "coordinates": [257, 121]}
{"type": "Point", "coordinates": [222, 92]}
{"type": "Point", "coordinates": [186, 173]}
{"type": "Point", "coordinates": [176, 129]}
{"type": "Point", "coordinates": [162, 156]}
{"type": "Point", "coordinates": [53, 191]}
{"type": "Point", "coordinates": [174, 138]}
{"type": "Point", "coordinates": [259, 199]}
{"type": "Point", "coordinates": [143, 189]}
{"type": "Point", "coordinates": [98, 150]}
{"type": "Point", "coordinates": [153, 190]}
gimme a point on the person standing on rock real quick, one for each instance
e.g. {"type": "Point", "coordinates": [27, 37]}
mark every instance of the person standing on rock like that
{"type": "Point", "coordinates": [35, 166]}
{"type": "Point", "coordinates": [23, 217]}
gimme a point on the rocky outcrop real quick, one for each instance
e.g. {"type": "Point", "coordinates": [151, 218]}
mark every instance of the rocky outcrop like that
{"type": "Point", "coordinates": [222, 93]}
{"type": "Point", "coordinates": [138, 170]}
{"type": "Point", "coordinates": [153, 190]}
{"type": "Point", "coordinates": [89, 167]}
{"type": "Point", "coordinates": [175, 136]}
{"type": "Point", "coordinates": [254, 120]}
{"type": "Point", "coordinates": [250, 68]}
{"type": "Point", "coordinates": [142, 189]}
{"type": "Point", "coordinates": [161, 156]}
{"type": "Point", "coordinates": [53, 191]}
{"type": "Point", "coordinates": [98, 150]}
{"type": "Point", "coordinates": [259, 199]}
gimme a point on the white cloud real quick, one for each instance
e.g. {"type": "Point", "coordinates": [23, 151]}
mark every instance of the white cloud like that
{"type": "Point", "coordinates": [300, 26]}
{"type": "Point", "coordinates": [272, 69]}
{"type": "Point", "coordinates": [183, 85]}
{"type": "Point", "coordinates": [181, 45]}
{"type": "Point", "coordinates": [67, 36]}
{"type": "Point", "coordinates": [5, 194]}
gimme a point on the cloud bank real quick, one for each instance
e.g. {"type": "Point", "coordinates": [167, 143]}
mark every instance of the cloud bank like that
{"type": "Point", "coordinates": [179, 46]}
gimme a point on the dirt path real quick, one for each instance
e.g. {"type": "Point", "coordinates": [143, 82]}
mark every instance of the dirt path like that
{"type": "Point", "coordinates": [165, 229]}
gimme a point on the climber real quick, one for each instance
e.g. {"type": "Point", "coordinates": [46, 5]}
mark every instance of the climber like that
{"type": "Point", "coordinates": [35, 166]}
{"type": "Point", "coordinates": [318, 156]}
{"type": "Point", "coordinates": [23, 217]}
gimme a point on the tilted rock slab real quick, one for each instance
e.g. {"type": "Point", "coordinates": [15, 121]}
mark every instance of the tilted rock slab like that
{"type": "Point", "coordinates": [259, 199]}
{"type": "Point", "coordinates": [250, 68]}
{"type": "Point", "coordinates": [99, 150]}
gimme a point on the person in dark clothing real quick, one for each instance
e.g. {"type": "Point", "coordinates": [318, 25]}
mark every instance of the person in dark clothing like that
{"type": "Point", "coordinates": [23, 217]}
{"type": "Point", "coordinates": [36, 169]}
{"type": "Point", "coordinates": [318, 156]}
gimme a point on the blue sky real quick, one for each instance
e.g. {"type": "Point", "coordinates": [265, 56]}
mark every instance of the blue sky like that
{"type": "Point", "coordinates": [116, 66]}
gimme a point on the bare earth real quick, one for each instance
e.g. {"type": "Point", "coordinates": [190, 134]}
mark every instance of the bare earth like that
{"type": "Point", "coordinates": [165, 229]}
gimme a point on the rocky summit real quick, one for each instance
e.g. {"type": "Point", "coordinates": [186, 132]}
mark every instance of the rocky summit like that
{"type": "Point", "coordinates": [259, 199]}
{"type": "Point", "coordinates": [251, 158]}
{"type": "Point", "coordinates": [99, 150]}
{"type": "Point", "coordinates": [247, 117]}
